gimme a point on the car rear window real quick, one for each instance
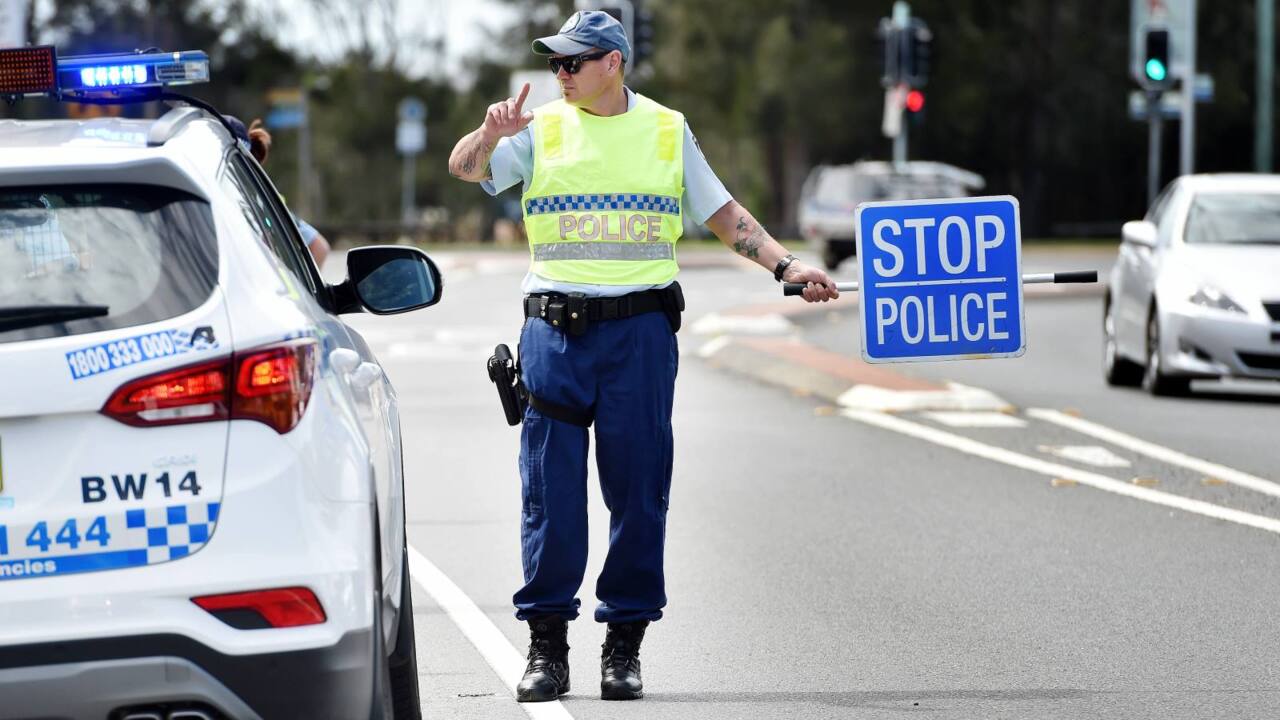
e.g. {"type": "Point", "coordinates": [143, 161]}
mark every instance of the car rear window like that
{"type": "Point", "coordinates": [146, 253]}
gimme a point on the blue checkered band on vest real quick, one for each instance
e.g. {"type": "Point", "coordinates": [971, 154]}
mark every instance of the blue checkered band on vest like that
{"type": "Point", "coordinates": [571, 203]}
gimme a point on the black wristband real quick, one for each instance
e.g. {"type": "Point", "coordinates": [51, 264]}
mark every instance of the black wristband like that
{"type": "Point", "coordinates": [782, 266]}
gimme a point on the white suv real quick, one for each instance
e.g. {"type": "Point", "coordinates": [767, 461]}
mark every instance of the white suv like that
{"type": "Point", "coordinates": [201, 500]}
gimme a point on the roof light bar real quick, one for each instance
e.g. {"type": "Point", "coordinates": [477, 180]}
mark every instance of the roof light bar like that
{"type": "Point", "coordinates": [39, 71]}
{"type": "Point", "coordinates": [28, 70]}
{"type": "Point", "coordinates": [89, 73]}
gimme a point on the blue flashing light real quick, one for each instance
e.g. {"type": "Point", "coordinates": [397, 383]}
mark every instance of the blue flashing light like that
{"type": "Point", "coordinates": [107, 76]}
{"type": "Point", "coordinates": [122, 72]}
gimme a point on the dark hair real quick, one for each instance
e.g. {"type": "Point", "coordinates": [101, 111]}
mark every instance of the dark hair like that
{"type": "Point", "coordinates": [259, 141]}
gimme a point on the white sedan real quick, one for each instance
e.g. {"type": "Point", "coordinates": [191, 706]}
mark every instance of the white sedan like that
{"type": "Point", "coordinates": [1196, 291]}
{"type": "Point", "coordinates": [201, 499]}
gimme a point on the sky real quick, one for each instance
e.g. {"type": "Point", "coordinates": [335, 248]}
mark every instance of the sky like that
{"type": "Point", "coordinates": [461, 27]}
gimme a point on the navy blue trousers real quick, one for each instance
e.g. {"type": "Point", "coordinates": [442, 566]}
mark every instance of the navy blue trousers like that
{"type": "Point", "coordinates": [627, 370]}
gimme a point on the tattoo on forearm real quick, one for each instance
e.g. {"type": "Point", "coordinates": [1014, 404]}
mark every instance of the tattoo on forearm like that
{"type": "Point", "coordinates": [748, 238]}
{"type": "Point", "coordinates": [479, 151]}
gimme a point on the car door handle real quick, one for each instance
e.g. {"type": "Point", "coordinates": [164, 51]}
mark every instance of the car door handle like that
{"type": "Point", "coordinates": [365, 375]}
{"type": "Point", "coordinates": [344, 360]}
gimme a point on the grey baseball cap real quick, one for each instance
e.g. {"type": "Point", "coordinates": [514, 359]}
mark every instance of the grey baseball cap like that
{"type": "Point", "coordinates": [584, 30]}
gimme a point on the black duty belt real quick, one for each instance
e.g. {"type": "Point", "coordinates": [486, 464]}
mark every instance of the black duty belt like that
{"type": "Point", "coordinates": [573, 312]}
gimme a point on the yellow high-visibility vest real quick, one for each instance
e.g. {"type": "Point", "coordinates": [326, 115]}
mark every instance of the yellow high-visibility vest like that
{"type": "Point", "coordinates": [603, 206]}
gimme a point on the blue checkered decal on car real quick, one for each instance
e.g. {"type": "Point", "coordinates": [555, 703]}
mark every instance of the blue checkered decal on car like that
{"type": "Point", "coordinates": [175, 531]}
{"type": "Point", "coordinates": [578, 203]}
{"type": "Point", "coordinates": [109, 541]}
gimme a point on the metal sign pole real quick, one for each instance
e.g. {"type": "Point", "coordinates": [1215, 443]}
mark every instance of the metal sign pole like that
{"type": "Point", "coordinates": [1266, 73]}
{"type": "Point", "coordinates": [901, 20]}
{"type": "Point", "coordinates": [1189, 95]}
{"type": "Point", "coordinates": [406, 190]}
{"type": "Point", "coordinates": [1155, 125]}
{"type": "Point", "coordinates": [1074, 276]}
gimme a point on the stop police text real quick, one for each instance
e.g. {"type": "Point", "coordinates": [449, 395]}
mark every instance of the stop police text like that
{"type": "Point", "coordinates": [936, 313]}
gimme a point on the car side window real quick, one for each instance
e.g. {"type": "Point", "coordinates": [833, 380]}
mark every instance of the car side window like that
{"type": "Point", "coordinates": [263, 217]}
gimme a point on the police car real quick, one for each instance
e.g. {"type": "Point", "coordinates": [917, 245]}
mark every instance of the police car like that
{"type": "Point", "coordinates": [201, 499]}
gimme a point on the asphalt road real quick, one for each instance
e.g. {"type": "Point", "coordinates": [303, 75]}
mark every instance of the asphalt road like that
{"type": "Point", "coordinates": [829, 564]}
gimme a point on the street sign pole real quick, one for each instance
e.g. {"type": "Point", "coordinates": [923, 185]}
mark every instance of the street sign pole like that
{"type": "Point", "coordinates": [411, 139]}
{"type": "Point", "coordinates": [1266, 73]}
{"type": "Point", "coordinates": [1155, 128]}
{"type": "Point", "coordinates": [1188, 151]}
{"type": "Point", "coordinates": [406, 190]}
{"type": "Point", "coordinates": [902, 21]}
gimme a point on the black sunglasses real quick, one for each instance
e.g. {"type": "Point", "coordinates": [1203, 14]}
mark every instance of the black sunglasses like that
{"type": "Point", "coordinates": [573, 63]}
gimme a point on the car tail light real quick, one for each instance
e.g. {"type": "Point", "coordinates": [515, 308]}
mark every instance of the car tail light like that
{"type": "Point", "coordinates": [271, 385]}
{"type": "Point", "coordinates": [279, 607]}
{"type": "Point", "coordinates": [196, 393]}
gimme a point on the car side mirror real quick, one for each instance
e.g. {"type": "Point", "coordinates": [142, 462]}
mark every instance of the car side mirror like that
{"type": "Point", "coordinates": [388, 280]}
{"type": "Point", "coordinates": [1139, 232]}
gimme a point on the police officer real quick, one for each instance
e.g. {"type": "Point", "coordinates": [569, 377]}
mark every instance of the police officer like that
{"type": "Point", "coordinates": [608, 177]}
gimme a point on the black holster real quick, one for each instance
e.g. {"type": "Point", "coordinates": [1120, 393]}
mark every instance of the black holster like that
{"type": "Point", "coordinates": [504, 371]}
{"type": "Point", "coordinates": [673, 304]}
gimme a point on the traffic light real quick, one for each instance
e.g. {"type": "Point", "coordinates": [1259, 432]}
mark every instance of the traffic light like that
{"type": "Point", "coordinates": [919, 41]}
{"type": "Point", "coordinates": [904, 52]}
{"type": "Point", "coordinates": [915, 101]}
{"type": "Point", "coordinates": [1155, 58]}
{"type": "Point", "coordinates": [642, 47]}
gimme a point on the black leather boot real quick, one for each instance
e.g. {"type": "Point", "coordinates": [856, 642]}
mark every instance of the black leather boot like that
{"type": "Point", "coordinates": [546, 677]}
{"type": "Point", "coordinates": [620, 661]}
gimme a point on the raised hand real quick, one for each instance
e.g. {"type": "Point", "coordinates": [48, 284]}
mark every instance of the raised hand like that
{"type": "Point", "coordinates": [507, 117]}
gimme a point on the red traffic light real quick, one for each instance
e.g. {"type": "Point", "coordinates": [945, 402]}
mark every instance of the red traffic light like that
{"type": "Point", "coordinates": [915, 101]}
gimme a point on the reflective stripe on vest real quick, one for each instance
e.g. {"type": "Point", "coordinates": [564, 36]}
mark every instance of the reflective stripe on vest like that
{"type": "Point", "coordinates": [603, 206]}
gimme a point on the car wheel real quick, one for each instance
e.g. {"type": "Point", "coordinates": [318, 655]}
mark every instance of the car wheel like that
{"type": "Point", "coordinates": [403, 663]}
{"type": "Point", "coordinates": [1116, 369]}
{"type": "Point", "coordinates": [1154, 380]}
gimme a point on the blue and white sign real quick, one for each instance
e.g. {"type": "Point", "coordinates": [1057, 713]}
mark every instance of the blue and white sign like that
{"type": "Point", "coordinates": [940, 279]}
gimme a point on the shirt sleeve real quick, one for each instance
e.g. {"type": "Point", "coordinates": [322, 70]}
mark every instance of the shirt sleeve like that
{"type": "Point", "coordinates": [704, 194]}
{"type": "Point", "coordinates": [511, 163]}
{"type": "Point", "coordinates": [307, 232]}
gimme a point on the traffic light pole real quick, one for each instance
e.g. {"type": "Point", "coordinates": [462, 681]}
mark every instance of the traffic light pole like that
{"type": "Point", "coordinates": [1266, 73]}
{"type": "Point", "coordinates": [901, 19]}
{"type": "Point", "coordinates": [1155, 133]}
{"type": "Point", "coordinates": [1188, 150]}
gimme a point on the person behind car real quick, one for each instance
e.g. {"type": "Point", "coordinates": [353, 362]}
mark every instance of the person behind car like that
{"type": "Point", "coordinates": [259, 140]}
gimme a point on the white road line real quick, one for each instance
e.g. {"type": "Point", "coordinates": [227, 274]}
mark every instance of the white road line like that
{"type": "Point", "coordinates": [1053, 470]}
{"type": "Point", "coordinates": [984, 419]}
{"type": "Point", "coordinates": [1157, 452]}
{"type": "Point", "coordinates": [494, 647]}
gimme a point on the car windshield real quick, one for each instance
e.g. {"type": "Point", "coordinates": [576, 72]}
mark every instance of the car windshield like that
{"type": "Point", "coordinates": [78, 259]}
{"type": "Point", "coordinates": [1234, 219]}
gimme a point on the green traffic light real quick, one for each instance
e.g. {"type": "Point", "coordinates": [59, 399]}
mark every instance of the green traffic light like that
{"type": "Point", "coordinates": [1156, 70]}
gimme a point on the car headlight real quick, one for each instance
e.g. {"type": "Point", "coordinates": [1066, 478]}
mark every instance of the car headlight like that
{"type": "Point", "coordinates": [1211, 297]}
